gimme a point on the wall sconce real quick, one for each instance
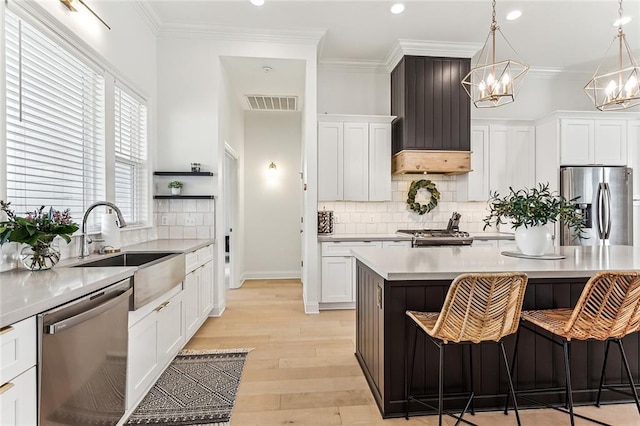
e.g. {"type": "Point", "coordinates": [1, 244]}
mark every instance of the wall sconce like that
{"type": "Point", "coordinates": [70, 4]}
{"type": "Point", "coordinates": [273, 170]}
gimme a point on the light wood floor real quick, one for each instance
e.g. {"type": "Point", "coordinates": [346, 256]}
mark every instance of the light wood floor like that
{"type": "Point", "coordinates": [302, 370]}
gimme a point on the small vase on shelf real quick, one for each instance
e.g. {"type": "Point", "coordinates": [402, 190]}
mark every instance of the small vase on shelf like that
{"type": "Point", "coordinates": [175, 191]}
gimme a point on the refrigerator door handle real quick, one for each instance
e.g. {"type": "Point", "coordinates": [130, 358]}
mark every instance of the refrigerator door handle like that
{"type": "Point", "coordinates": [599, 211]}
{"type": "Point", "coordinates": [607, 193]}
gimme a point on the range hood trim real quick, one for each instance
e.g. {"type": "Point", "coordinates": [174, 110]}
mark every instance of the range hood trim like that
{"type": "Point", "coordinates": [431, 161]}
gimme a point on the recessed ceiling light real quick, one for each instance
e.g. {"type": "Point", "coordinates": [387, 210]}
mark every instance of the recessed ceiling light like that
{"type": "Point", "coordinates": [257, 2]}
{"type": "Point", "coordinates": [397, 8]}
{"type": "Point", "coordinates": [513, 15]}
{"type": "Point", "coordinates": [622, 21]}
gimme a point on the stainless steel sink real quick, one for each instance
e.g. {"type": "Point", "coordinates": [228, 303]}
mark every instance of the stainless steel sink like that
{"type": "Point", "coordinates": [158, 272]}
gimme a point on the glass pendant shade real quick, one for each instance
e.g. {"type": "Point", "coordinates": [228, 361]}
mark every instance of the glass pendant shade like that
{"type": "Point", "coordinates": [616, 83]}
{"type": "Point", "coordinates": [495, 79]}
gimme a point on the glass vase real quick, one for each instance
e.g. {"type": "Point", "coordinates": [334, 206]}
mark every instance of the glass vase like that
{"type": "Point", "coordinates": [39, 257]}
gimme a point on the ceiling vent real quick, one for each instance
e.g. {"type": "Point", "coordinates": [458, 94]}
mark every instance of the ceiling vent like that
{"type": "Point", "coordinates": [272, 103]}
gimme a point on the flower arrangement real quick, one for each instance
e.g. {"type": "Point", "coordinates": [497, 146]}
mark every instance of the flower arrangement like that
{"type": "Point", "coordinates": [175, 184]}
{"type": "Point", "coordinates": [533, 207]}
{"type": "Point", "coordinates": [37, 229]}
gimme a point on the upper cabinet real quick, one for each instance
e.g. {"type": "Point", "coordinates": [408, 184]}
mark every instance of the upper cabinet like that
{"type": "Point", "coordinates": [633, 136]}
{"type": "Point", "coordinates": [502, 156]}
{"type": "Point", "coordinates": [593, 141]}
{"type": "Point", "coordinates": [354, 158]}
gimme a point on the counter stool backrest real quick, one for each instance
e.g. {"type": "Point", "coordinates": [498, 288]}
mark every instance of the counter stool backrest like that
{"type": "Point", "coordinates": [609, 307]}
{"type": "Point", "coordinates": [481, 307]}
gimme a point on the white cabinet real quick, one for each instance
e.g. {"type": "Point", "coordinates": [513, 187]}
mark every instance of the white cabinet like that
{"type": "Point", "coordinates": [502, 156]}
{"type": "Point", "coordinates": [396, 244]}
{"type": "Point", "coordinates": [354, 158]}
{"type": "Point", "coordinates": [503, 244]}
{"type": "Point", "coordinates": [593, 141]}
{"type": "Point", "coordinates": [636, 223]}
{"type": "Point", "coordinates": [633, 137]}
{"type": "Point", "coordinates": [156, 335]}
{"type": "Point", "coordinates": [198, 288]}
{"type": "Point", "coordinates": [18, 396]}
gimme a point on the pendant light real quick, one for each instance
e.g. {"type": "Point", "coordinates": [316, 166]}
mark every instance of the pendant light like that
{"type": "Point", "coordinates": [616, 82]}
{"type": "Point", "coordinates": [494, 80]}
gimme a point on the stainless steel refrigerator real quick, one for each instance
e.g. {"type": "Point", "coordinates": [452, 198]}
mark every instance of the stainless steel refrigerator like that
{"type": "Point", "coordinates": [606, 201]}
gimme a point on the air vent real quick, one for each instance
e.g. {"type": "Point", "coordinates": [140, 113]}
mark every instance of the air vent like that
{"type": "Point", "coordinates": [272, 103]}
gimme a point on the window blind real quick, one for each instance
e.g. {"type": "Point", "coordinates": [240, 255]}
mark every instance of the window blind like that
{"type": "Point", "coordinates": [55, 124]}
{"type": "Point", "coordinates": [131, 157]}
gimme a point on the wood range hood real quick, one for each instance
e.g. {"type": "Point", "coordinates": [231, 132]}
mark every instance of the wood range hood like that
{"type": "Point", "coordinates": [432, 133]}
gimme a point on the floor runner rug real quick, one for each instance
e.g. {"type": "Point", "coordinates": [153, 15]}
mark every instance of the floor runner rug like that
{"type": "Point", "coordinates": [198, 388]}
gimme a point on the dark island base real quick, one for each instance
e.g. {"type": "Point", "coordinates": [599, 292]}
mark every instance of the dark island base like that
{"type": "Point", "coordinates": [381, 330]}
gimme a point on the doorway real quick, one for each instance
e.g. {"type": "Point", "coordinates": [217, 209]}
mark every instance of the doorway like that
{"type": "Point", "coordinates": [230, 215]}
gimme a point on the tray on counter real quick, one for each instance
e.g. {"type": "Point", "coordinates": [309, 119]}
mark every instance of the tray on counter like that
{"type": "Point", "coordinates": [546, 256]}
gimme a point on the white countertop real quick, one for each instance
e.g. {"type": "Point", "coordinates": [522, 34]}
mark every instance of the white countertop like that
{"type": "Point", "coordinates": [486, 236]}
{"type": "Point", "coordinates": [24, 293]}
{"type": "Point", "coordinates": [363, 237]}
{"type": "Point", "coordinates": [437, 263]}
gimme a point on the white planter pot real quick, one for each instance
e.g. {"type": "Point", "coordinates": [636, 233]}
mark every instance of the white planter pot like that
{"type": "Point", "coordinates": [533, 241]}
{"type": "Point", "coordinates": [175, 191]}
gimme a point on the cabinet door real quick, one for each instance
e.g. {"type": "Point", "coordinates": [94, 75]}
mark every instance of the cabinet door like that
{"type": "Point", "coordinates": [636, 223]}
{"type": "Point", "coordinates": [143, 358]}
{"type": "Point", "coordinates": [633, 139]}
{"type": "Point", "coordinates": [171, 328]}
{"type": "Point", "coordinates": [397, 244]}
{"type": "Point", "coordinates": [379, 162]}
{"type": "Point", "coordinates": [330, 161]}
{"type": "Point", "coordinates": [474, 186]}
{"type": "Point", "coordinates": [337, 279]}
{"type": "Point", "coordinates": [521, 156]}
{"type": "Point", "coordinates": [498, 171]}
{"type": "Point", "coordinates": [206, 290]}
{"type": "Point", "coordinates": [576, 142]}
{"type": "Point", "coordinates": [356, 161]}
{"type": "Point", "coordinates": [191, 294]}
{"type": "Point", "coordinates": [18, 400]}
{"type": "Point", "coordinates": [484, 243]}
{"type": "Point", "coordinates": [610, 146]}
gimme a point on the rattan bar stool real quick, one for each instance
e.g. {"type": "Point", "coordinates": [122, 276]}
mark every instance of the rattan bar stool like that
{"type": "Point", "coordinates": [478, 308]}
{"type": "Point", "coordinates": [608, 309]}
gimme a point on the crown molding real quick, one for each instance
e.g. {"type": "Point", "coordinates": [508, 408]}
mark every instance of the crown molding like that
{"type": "Point", "coordinates": [148, 14]}
{"type": "Point", "coordinates": [218, 32]}
{"type": "Point", "coordinates": [404, 47]}
{"type": "Point", "coordinates": [542, 73]}
{"type": "Point", "coordinates": [354, 66]}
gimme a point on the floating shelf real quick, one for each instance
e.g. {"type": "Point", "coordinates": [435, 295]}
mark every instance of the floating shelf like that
{"type": "Point", "coordinates": [177, 197]}
{"type": "Point", "coordinates": [184, 174]}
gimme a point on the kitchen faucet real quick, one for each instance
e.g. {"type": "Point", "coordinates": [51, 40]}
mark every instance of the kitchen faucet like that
{"type": "Point", "coordinates": [84, 239]}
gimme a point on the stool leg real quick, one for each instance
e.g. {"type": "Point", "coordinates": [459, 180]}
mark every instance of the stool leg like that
{"type": "Point", "coordinates": [513, 364]}
{"type": "Point", "coordinates": [441, 384]}
{"type": "Point", "coordinates": [511, 389]}
{"type": "Point", "coordinates": [628, 370]}
{"type": "Point", "coordinates": [567, 373]}
{"type": "Point", "coordinates": [604, 365]}
{"type": "Point", "coordinates": [408, 372]}
{"type": "Point", "coordinates": [473, 411]}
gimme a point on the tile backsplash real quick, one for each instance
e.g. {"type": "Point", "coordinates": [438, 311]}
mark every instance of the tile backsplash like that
{"type": "Point", "coordinates": [354, 217]}
{"type": "Point", "coordinates": [177, 219]}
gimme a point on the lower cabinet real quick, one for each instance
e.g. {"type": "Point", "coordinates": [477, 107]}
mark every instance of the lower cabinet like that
{"type": "Point", "coordinates": [505, 244]}
{"type": "Point", "coordinates": [337, 289]}
{"type": "Point", "coordinates": [18, 400]}
{"type": "Point", "coordinates": [198, 293]}
{"type": "Point", "coordinates": [154, 340]}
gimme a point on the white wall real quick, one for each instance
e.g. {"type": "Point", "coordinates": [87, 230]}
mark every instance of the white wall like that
{"type": "Point", "coordinates": [353, 92]}
{"type": "Point", "coordinates": [189, 99]}
{"type": "Point", "coordinates": [272, 203]}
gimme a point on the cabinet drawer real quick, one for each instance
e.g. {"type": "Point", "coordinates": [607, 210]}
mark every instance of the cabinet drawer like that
{"type": "Point", "coordinates": [205, 254]}
{"type": "Point", "coordinates": [18, 400]}
{"type": "Point", "coordinates": [191, 261]}
{"type": "Point", "coordinates": [400, 244]}
{"type": "Point", "coordinates": [17, 348]}
{"type": "Point", "coordinates": [343, 248]}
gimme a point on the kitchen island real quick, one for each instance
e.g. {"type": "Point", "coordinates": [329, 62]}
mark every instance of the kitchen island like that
{"type": "Point", "coordinates": [391, 282]}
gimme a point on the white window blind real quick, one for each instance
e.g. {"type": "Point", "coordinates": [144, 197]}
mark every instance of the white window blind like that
{"type": "Point", "coordinates": [131, 157]}
{"type": "Point", "coordinates": [55, 124]}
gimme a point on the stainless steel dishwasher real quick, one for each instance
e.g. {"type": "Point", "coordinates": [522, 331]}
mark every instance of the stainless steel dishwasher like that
{"type": "Point", "coordinates": [83, 359]}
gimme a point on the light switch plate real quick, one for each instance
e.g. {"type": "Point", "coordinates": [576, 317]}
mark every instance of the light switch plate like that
{"type": "Point", "coordinates": [164, 220]}
{"type": "Point", "coordinates": [189, 221]}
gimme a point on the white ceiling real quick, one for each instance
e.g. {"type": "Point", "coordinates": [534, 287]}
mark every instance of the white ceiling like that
{"type": "Point", "coordinates": [568, 35]}
{"type": "Point", "coordinates": [551, 35]}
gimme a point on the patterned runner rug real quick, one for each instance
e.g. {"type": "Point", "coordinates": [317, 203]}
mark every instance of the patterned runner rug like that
{"type": "Point", "coordinates": [198, 388]}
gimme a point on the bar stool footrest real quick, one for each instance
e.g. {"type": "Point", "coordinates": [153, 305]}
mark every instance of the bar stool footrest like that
{"type": "Point", "coordinates": [421, 399]}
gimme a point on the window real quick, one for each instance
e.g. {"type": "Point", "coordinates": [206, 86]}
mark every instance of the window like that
{"type": "Point", "coordinates": [131, 157]}
{"type": "Point", "coordinates": [55, 124]}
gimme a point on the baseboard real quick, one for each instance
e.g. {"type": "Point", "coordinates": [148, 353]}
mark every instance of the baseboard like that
{"type": "Point", "coordinates": [270, 275]}
{"type": "Point", "coordinates": [310, 307]}
{"type": "Point", "coordinates": [337, 305]}
{"type": "Point", "coordinates": [217, 310]}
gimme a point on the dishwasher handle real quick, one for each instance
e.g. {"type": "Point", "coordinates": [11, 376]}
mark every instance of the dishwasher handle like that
{"type": "Point", "coordinates": [86, 315]}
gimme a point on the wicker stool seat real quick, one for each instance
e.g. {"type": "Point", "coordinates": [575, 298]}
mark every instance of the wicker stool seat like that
{"type": "Point", "coordinates": [477, 308]}
{"type": "Point", "coordinates": [608, 309]}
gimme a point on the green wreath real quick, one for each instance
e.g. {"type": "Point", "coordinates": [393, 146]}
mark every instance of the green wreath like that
{"type": "Point", "coordinates": [417, 185]}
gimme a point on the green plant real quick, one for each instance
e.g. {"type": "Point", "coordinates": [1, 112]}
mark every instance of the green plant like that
{"type": "Point", "coordinates": [37, 228]}
{"type": "Point", "coordinates": [175, 184]}
{"type": "Point", "coordinates": [533, 207]}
